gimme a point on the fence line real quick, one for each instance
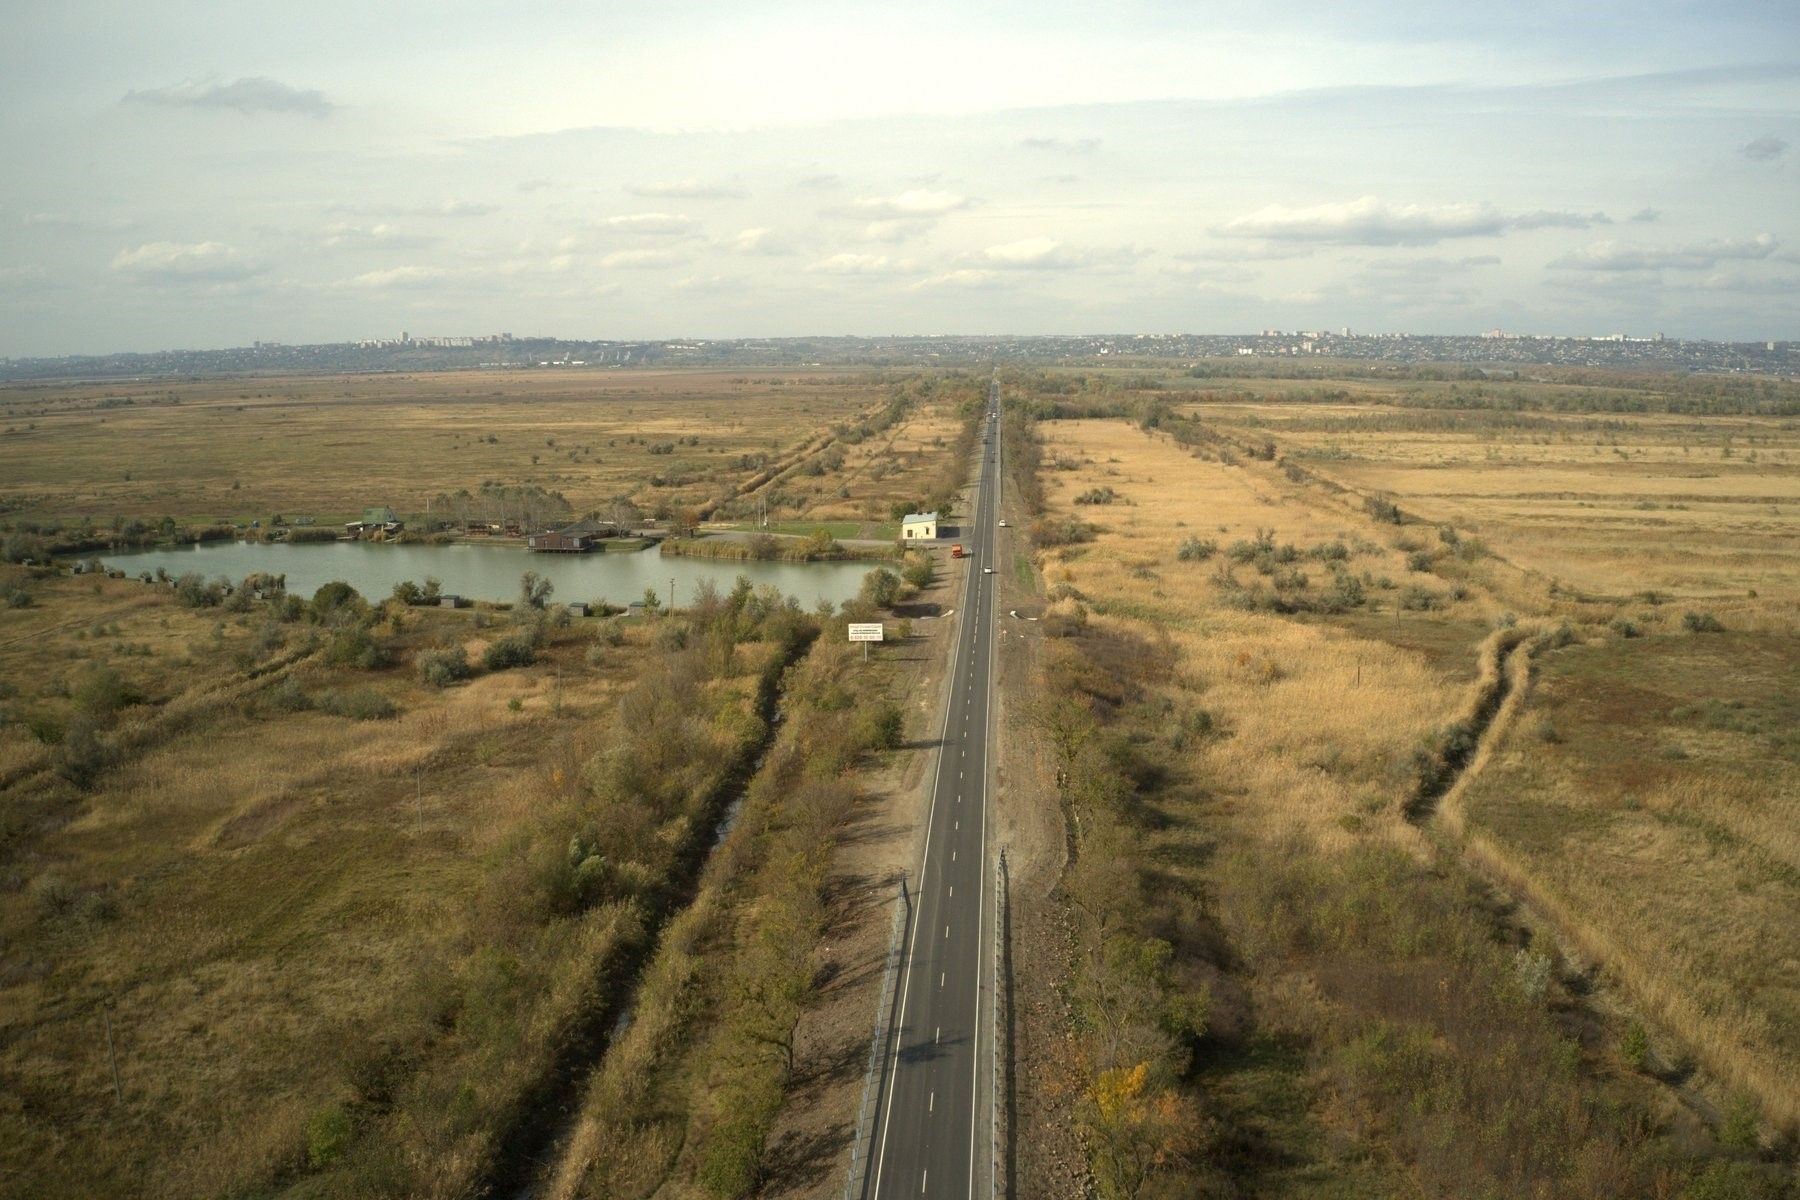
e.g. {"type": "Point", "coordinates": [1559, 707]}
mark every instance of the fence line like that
{"type": "Point", "coordinates": [862, 1136]}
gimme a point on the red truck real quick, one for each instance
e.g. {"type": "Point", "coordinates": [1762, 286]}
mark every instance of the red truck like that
{"type": "Point", "coordinates": [956, 550]}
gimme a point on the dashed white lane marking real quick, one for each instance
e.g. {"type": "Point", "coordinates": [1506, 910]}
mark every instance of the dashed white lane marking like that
{"type": "Point", "coordinates": [922, 1179]}
{"type": "Point", "coordinates": [931, 1102]}
{"type": "Point", "coordinates": [936, 1033]}
{"type": "Point", "coordinates": [940, 979]}
{"type": "Point", "coordinates": [946, 932]}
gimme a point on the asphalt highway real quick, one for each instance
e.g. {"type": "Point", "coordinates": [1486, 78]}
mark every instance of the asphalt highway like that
{"type": "Point", "coordinates": [932, 1123]}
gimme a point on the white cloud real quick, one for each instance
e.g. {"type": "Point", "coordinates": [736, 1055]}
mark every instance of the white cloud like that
{"type": "Point", "coordinates": [859, 264]}
{"type": "Point", "coordinates": [66, 220]}
{"type": "Point", "coordinates": [653, 222]}
{"type": "Point", "coordinates": [1430, 266]}
{"type": "Point", "coordinates": [556, 264]}
{"type": "Point", "coordinates": [22, 277]}
{"type": "Point", "coordinates": [250, 95]}
{"type": "Point", "coordinates": [1758, 285]}
{"type": "Point", "coordinates": [966, 277]}
{"type": "Point", "coordinates": [686, 189]}
{"type": "Point", "coordinates": [1047, 254]}
{"type": "Point", "coordinates": [642, 259]}
{"type": "Point", "coordinates": [758, 240]}
{"type": "Point", "coordinates": [461, 208]}
{"type": "Point", "coordinates": [399, 277]}
{"type": "Point", "coordinates": [898, 230]}
{"type": "Point", "coordinates": [1699, 256]}
{"type": "Point", "coordinates": [1645, 216]}
{"type": "Point", "coordinates": [184, 262]}
{"type": "Point", "coordinates": [913, 203]}
{"type": "Point", "coordinates": [344, 233]}
{"type": "Point", "coordinates": [1371, 221]}
{"type": "Point", "coordinates": [1249, 252]}
{"type": "Point", "coordinates": [1085, 145]}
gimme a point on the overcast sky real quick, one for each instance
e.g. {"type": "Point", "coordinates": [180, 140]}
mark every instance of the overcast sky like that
{"type": "Point", "coordinates": [192, 173]}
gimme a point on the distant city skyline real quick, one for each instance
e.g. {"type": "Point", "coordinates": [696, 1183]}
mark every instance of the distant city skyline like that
{"type": "Point", "coordinates": [205, 175]}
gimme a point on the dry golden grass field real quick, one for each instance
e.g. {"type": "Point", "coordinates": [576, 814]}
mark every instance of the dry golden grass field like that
{"type": "Point", "coordinates": [1640, 796]}
{"type": "Point", "coordinates": [1639, 761]}
{"type": "Point", "coordinates": [280, 907]}
{"type": "Point", "coordinates": [1613, 504]}
{"type": "Point", "coordinates": [331, 446]}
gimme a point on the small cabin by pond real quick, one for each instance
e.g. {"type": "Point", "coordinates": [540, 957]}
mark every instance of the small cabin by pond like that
{"type": "Point", "coordinates": [919, 527]}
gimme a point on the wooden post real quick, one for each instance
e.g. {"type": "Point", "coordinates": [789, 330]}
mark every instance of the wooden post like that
{"type": "Point", "coordinates": [112, 1057]}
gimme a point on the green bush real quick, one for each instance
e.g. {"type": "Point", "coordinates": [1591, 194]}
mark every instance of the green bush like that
{"type": "Point", "coordinates": [1382, 510]}
{"type": "Point", "coordinates": [514, 650]}
{"type": "Point", "coordinates": [1419, 599]}
{"type": "Point", "coordinates": [102, 691]}
{"type": "Point", "coordinates": [82, 754]}
{"type": "Point", "coordinates": [356, 646]}
{"type": "Point", "coordinates": [443, 667]}
{"type": "Point", "coordinates": [534, 590]}
{"type": "Point", "coordinates": [732, 1162]}
{"type": "Point", "coordinates": [1195, 549]}
{"type": "Point", "coordinates": [1726, 1179]}
{"type": "Point", "coordinates": [327, 1136]}
{"type": "Point", "coordinates": [193, 590]}
{"type": "Point", "coordinates": [287, 696]}
{"type": "Point", "coordinates": [881, 587]}
{"type": "Point", "coordinates": [361, 704]}
{"type": "Point", "coordinates": [1701, 622]}
{"type": "Point", "coordinates": [880, 726]}
{"type": "Point", "coordinates": [333, 596]}
{"type": "Point", "coordinates": [1634, 1046]}
{"type": "Point", "coordinates": [1738, 1124]}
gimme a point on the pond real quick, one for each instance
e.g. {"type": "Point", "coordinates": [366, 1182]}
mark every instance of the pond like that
{"type": "Point", "coordinates": [480, 572]}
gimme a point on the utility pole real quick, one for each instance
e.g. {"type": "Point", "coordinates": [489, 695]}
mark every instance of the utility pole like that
{"type": "Point", "coordinates": [671, 593]}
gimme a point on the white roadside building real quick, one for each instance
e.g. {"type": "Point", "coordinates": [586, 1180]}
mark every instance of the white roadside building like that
{"type": "Point", "coordinates": [919, 527]}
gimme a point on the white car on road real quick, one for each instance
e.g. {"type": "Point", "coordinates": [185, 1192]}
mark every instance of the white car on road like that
{"type": "Point", "coordinates": [987, 570]}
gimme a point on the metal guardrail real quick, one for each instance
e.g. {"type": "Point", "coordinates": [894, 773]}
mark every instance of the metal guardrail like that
{"type": "Point", "coordinates": [999, 1085]}
{"type": "Point", "coordinates": [863, 1136]}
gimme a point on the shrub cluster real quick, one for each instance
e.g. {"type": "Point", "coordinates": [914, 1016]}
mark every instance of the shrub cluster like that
{"type": "Point", "coordinates": [1194, 549]}
{"type": "Point", "coordinates": [516, 649]}
{"type": "Point", "coordinates": [443, 667]}
{"type": "Point", "coordinates": [1135, 1017]}
{"type": "Point", "coordinates": [1382, 509]}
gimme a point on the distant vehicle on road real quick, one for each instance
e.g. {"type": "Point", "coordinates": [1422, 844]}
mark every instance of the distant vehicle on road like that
{"type": "Point", "coordinates": [956, 550]}
{"type": "Point", "coordinates": [987, 570]}
{"type": "Point", "coordinates": [1003, 524]}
